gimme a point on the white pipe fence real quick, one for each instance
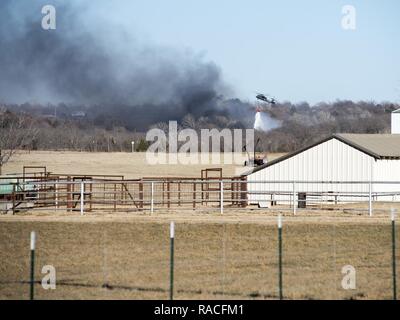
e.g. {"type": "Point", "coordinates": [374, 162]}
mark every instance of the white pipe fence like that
{"type": "Point", "coordinates": [141, 195]}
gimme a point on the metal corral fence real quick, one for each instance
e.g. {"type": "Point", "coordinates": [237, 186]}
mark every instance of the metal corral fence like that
{"type": "Point", "coordinates": [89, 193]}
{"type": "Point", "coordinates": [113, 193]}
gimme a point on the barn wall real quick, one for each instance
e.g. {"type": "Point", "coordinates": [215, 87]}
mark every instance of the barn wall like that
{"type": "Point", "coordinates": [332, 160]}
{"type": "Point", "coordinates": [387, 170]}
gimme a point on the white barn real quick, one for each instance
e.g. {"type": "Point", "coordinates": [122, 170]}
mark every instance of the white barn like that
{"type": "Point", "coordinates": [327, 165]}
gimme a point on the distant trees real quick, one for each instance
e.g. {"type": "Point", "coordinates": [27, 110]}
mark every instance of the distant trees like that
{"type": "Point", "coordinates": [70, 135]}
{"type": "Point", "coordinates": [142, 145]}
{"type": "Point", "coordinates": [302, 125]}
{"type": "Point", "coordinates": [30, 126]}
{"type": "Point", "coordinates": [16, 132]}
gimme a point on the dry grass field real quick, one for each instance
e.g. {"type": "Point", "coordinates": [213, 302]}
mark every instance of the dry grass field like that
{"type": "Point", "coordinates": [234, 256]}
{"type": "Point", "coordinates": [127, 257]}
{"type": "Point", "coordinates": [131, 165]}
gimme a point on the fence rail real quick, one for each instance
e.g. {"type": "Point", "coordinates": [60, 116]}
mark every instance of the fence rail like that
{"type": "Point", "coordinates": [111, 193]}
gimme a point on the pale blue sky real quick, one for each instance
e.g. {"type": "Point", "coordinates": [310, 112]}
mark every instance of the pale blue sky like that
{"type": "Point", "coordinates": [294, 50]}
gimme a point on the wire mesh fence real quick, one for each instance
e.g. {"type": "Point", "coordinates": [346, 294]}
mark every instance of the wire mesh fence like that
{"type": "Point", "coordinates": [326, 259]}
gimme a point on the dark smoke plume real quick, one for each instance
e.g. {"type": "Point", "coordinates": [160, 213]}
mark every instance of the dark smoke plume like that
{"type": "Point", "coordinates": [88, 62]}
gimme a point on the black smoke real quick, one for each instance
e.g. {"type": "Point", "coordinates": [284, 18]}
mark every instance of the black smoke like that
{"type": "Point", "coordinates": [88, 62]}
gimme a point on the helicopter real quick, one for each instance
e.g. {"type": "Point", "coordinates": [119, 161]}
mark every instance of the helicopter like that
{"type": "Point", "coordinates": [265, 98]}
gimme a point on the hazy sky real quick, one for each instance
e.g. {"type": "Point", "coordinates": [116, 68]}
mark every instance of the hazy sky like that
{"type": "Point", "coordinates": [294, 50]}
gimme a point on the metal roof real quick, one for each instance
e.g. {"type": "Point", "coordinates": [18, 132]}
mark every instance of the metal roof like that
{"type": "Point", "coordinates": [378, 146]}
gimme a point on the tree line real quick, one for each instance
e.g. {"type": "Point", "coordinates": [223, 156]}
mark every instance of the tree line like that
{"type": "Point", "coordinates": [63, 127]}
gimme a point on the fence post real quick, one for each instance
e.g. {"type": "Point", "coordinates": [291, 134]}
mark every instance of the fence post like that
{"type": "Point", "coordinates": [243, 193]}
{"type": "Point", "coordinates": [194, 195]}
{"type": "Point", "coordinates": [280, 273]}
{"type": "Point", "coordinates": [69, 194]}
{"type": "Point", "coordinates": [163, 192]}
{"type": "Point", "coordinates": [222, 197]}
{"type": "Point", "coordinates": [394, 254]}
{"type": "Point", "coordinates": [141, 204]}
{"type": "Point", "coordinates": [171, 270]}
{"type": "Point", "coordinates": [179, 193]}
{"type": "Point", "coordinates": [115, 197]}
{"type": "Point", "coordinates": [56, 195]}
{"type": "Point", "coordinates": [90, 196]}
{"type": "Point", "coordinates": [294, 198]}
{"type": "Point", "coordinates": [169, 194]}
{"type": "Point", "coordinates": [32, 282]}
{"type": "Point", "coordinates": [82, 197]}
{"type": "Point", "coordinates": [370, 199]}
{"type": "Point", "coordinates": [13, 200]}
{"type": "Point", "coordinates": [152, 198]}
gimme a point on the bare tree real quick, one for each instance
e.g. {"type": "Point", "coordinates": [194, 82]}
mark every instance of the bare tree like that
{"type": "Point", "coordinates": [16, 133]}
{"type": "Point", "coordinates": [162, 126]}
{"type": "Point", "coordinates": [189, 122]}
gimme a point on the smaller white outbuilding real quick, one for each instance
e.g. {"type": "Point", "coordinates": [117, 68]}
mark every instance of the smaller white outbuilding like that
{"type": "Point", "coordinates": [327, 165]}
{"type": "Point", "coordinates": [396, 122]}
